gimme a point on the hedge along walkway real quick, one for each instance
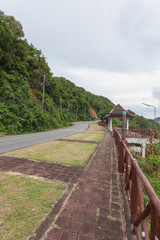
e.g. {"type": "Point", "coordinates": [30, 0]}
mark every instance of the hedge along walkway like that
{"type": "Point", "coordinates": [95, 209]}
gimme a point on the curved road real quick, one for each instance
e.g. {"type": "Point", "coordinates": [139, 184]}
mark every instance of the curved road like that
{"type": "Point", "coordinates": [10, 143]}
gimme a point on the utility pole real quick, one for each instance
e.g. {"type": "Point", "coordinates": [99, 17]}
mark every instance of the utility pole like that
{"type": "Point", "coordinates": [85, 114]}
{"type": "Point", "coordinates": [67, 109]}
{"type": "Point", "coordinates": [76, 113]}
{"type": "Point", "coordinates": [43, 85]}
{"type": "Point", "coordinates": [61, 105]}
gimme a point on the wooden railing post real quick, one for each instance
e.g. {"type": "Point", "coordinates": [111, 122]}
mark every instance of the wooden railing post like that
{"type": "Point", "coordinates": [121, 157]}
{"type": "Point", "coordinates": [155, 225]}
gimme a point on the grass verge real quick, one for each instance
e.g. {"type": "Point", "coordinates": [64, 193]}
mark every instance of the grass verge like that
{"type": "Point", "coordinates": [93, 133]}
{"type": "Point", "coordinates": [86, 136]}
{"type": "Point", "coordinates": [66, 153]}
{"type": "Point", "coordinates": [95, 127]}
{"type": "Point", "coordinates": [24, 203]}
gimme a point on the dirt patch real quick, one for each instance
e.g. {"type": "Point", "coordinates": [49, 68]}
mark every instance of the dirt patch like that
{"type": "Point", "coordinates": [93, 113]}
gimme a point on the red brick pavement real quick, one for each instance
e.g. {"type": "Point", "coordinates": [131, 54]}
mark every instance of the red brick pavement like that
{"type": "Point", "coordinates": [47, 170]}
{"type": "Point", "coordinates": [94, 210]}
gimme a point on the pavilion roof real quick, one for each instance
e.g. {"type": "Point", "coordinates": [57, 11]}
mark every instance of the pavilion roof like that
{"type": "Point", "coordinates": [117, 112]}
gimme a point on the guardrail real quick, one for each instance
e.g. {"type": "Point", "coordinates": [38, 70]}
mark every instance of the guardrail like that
{"type": "Point", "coordinates": [135, 184]}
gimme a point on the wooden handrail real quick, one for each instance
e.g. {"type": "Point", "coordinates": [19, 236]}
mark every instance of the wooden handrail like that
{"type": "Point", "coordinates": [151, 193]}
{"type": "Point", "coordinates": [140, 133]}
{"type": "Point", "coordinates": [135, 181]}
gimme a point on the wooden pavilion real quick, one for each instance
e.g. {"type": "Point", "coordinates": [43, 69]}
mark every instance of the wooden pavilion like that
{"type": "Point", "coordinates": [118, 112]}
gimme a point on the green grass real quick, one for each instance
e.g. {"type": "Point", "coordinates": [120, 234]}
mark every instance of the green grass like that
{"type": "Point", "coordinates": [93, 133]}
{"type": "Point", "coordinates": [87, 137]}
{"type": "Point", "coordinates": [95, 127]}
{"type": "Point", "coordinates": [67, 153]}
{"type": "Point", "coordinates": [24, 203]}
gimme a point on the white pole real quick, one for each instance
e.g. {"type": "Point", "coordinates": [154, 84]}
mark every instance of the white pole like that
{"type": "Point", "coordinates": [127, 123]}
{"type": "Point", "coordinates": [110, 128]}
{"type": "Point", "coordinates": [143, 150]}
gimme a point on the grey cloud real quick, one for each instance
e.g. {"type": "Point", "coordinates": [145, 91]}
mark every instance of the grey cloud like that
{"type": "Point", "coordinates": [138, 28]}
{"type": "Point", "coordinates": [141, 110]}
{"type": "Point", "coordinates": [121, 36]}
{"type": "Point", "coordinates": [156, 93]}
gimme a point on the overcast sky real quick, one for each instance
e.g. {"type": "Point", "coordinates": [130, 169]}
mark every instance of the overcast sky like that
{"type": "Point", "coordinates": [108, 47]}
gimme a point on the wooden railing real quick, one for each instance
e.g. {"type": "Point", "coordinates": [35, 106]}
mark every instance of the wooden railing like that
{"type": "Point", "coordinates": [101, 124]}
{"type": "Point", "coordinates": [135, 184]}
{"type": "Point", "coordinates": [145, 132]}
{"type": "Point", "coordinates": [139, 133]}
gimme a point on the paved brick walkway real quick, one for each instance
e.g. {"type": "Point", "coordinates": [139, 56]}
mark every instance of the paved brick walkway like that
{"type": "Point", "coordinates": [94, 209]}
{"type": "Point", "coordinates": [47, 170]}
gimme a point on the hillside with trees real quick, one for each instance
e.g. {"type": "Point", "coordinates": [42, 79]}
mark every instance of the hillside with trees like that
{"type": "Point", "coordinates": [25, 78]}
{"type": "Point", "coordinates": [33, 99]}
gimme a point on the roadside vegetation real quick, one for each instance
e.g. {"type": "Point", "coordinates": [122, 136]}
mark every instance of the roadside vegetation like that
{"type": "Point", "coordinates": [150, 165]}
{"type": "Point", "coordinates": [24, 203]}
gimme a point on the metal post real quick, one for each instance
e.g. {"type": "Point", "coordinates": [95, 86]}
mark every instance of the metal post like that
{"type": "Point", "coordinates": [155, 123]}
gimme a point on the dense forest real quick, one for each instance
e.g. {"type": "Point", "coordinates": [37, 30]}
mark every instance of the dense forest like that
{"type": "Point", "coordinates": [33, 99]}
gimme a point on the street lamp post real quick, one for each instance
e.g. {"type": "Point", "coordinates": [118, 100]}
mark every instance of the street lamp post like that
{"type": "Point", "coordinates": [148, 105]}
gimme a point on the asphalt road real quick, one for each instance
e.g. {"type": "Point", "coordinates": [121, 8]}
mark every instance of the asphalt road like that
{"type": "Point", "coordinates": [10, 143]}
